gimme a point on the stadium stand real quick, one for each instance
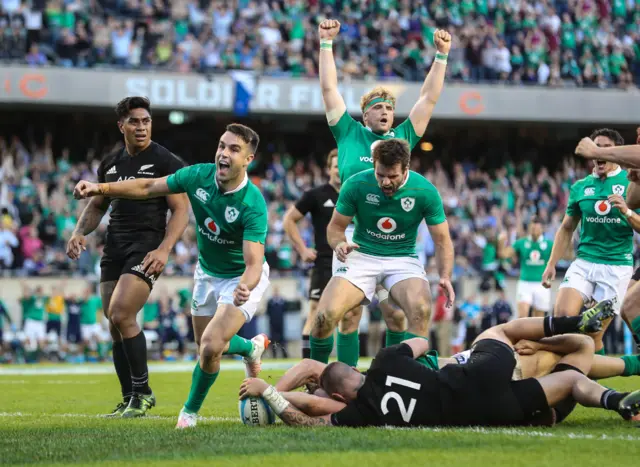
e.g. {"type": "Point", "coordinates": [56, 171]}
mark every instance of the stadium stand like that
{"type": "Point", "coordinates": [590, 43]}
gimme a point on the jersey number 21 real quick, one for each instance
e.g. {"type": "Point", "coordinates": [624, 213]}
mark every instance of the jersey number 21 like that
{"type": "Point", "coordinates": [406, 412]}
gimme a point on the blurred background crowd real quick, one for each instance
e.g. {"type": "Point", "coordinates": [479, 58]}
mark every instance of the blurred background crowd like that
{"type": "Point", "coordinates": [590, 43]}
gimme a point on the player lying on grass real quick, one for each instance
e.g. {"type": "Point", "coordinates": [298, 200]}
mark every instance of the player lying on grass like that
{"type": "Point", "coordinates": [398, 391]}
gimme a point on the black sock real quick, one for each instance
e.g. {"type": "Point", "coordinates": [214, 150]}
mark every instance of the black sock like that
{"type": "Point", "coordinates": [610, 399]}
{"type": "Point", "coordinates": [122, 369]}
{"type": "Point", "coordinates": [136, 350]}
{"type": "Point", "coordinates": [563, 325]}
{"type": "Point", "coordinates": [306, 349]}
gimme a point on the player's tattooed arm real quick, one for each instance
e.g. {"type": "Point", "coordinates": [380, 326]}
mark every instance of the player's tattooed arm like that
{"type": "Point", "coordinates": [307, 371]}
{"type": "Point", "coordinates": [294, 417]}
{"type": "Point", "coordinates": [91, 215]}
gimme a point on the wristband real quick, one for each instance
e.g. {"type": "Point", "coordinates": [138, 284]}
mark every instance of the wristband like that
{"type": "Point", "coordinates": [104, 188]}
{"type": "Point", "coordinates": [275, 400]}
{"type": "Point", "coordinates": [441, 58]}
{"type": "Point", "coordinates": [326, 44]}
{"type": "Point", "coordinates": [628, 213]}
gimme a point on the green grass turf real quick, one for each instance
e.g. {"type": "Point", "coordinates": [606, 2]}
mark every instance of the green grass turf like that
{"type": "Point", "coordinates": [53, 419]}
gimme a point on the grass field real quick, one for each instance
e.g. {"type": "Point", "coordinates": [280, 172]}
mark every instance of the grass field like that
{"type": "Point", "coordinates": [52, 417]}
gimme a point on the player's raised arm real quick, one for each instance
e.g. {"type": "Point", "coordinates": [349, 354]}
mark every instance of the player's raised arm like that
{"type": "Point", "coordinates": [628, 156]}
{"type": "Point", "coordinates": [419, 346]}
{"type": "Point", "coordinates": [505, 251]}
{"type": "Point", "coordinates": [334, 105]}
{"type": "Point", "coordinates": [141, 188]}
{"type": "Point", "coordinates": [633, 190]}
{"type": "Point", "coordinates": [432, 87]}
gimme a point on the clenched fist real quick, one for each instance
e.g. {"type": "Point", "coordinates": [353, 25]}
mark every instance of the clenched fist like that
{"type": "Point", "coordinates": [85, 189]}
{"type": "Point", "coordinates": [442, 40]}
{"type": "Point", "coordinates": [329, 29]}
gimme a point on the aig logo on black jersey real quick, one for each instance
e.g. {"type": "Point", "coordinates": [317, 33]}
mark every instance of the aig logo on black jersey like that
{"type": "Point", "coordinates": [121, 178]}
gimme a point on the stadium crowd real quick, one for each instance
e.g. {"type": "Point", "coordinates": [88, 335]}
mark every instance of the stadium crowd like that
{"type": "Point", "coordinates": [591, 43]}
{"type": "Point", "coordinates": [38, 212]}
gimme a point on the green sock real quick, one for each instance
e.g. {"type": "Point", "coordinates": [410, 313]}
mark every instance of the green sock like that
{"type": "Point", "coordinates": [394, 337]}
{"type": "Point", "coordinates": [422, 358]}
{"type": "Point", "coordinates": [601, 352]}
{"type": "Point", "coordinates": [239, 346]}
{"type": "Point", "coordinates": [635, 328]}
{"type": "Point", "coordinates": [321, 348]}
{"type": "Point", "coordinates": [348, 348]}
{"type": "Point", "coordinates": [201, 381]}
{"type": "Point", "coordinates": [631, 365]}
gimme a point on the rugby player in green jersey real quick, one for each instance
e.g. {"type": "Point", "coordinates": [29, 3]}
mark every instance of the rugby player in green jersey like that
{"type": "Point", "coordinates": [355, 141]}
{"type": "Point", "coordinates": [232, 274]}
{"type": "Point", "coordinates": [604, 262]}
{"type": "Point", "coordinates": [533, 252]}
{"type": "Point", "coordinates": [387, 203]}
{"type": "Point", "coordinates": [628, 156]}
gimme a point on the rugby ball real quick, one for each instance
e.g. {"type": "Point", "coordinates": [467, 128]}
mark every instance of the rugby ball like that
{"type": "Point", "coordinates": [254, 411]}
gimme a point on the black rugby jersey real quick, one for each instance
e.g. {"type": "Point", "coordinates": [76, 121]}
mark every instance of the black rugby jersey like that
{"type": "Point", "coordinates": [320, 202]}
{"type": "Point", "coordinates": [138, 221]}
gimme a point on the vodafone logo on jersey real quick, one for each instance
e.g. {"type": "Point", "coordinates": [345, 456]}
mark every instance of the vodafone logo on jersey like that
{"type": "Point", "coordinates": [212, 226]}
{"type": "Point", "coordinates": [387, 224]}
{"type": "Point", "coordinates": [603, 207]}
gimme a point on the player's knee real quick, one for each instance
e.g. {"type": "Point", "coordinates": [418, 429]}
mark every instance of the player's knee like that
{"type": "Point", "coordinates": [211, 348]}
{"type": "Point", "coordinates": [324, 323]}
{"type": "Point", "coordinates": [419, 313]}
{"type": "Point", "coordinates": [120, 316]}
{"type": "Point", "coordinates": [393, 317]}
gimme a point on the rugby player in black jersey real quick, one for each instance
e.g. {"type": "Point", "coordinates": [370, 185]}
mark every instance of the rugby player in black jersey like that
{"type": "Point", "coordinates": [399, 391]}
{"type": "Point", "coordinates": [139, 240]}
{"type": "Point", "coordinates": [320, 202]}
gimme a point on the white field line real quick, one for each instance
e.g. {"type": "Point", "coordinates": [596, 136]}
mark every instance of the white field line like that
{"type": "Point", "coordinates": [84, 415]}
{"type": "Point", "coordinates": [515, 432]}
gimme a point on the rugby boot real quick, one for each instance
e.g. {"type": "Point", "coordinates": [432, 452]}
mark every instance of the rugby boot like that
{"type": "Point", "coordinates": [139, 405]}
{"type": "Point", "coordinates": [591, 320]}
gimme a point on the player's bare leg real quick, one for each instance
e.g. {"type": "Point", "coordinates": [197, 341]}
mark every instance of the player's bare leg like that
{"type": "Point", "coordinates": [200, 323]}
{"type": "Point", "coordinates": [413, 296]}
{"type": "Point", "coordinates": [523, 309]}
{"type": "Point", "coordinates": [128, 297]}
{"type": "Point", "coordinates": [219, 337]}
{"type": "Point", "coordinates": [630, 310]}
{"type": "Point", "coordinates": [535, 313]}
{"type": "Point", "coordinates": [306, 328]}
{"type": "Point", "coordinates": [348, 347]}
{"type": "Point", "coordinates": [394, 318]}
{"type": "Point", "coordinates": [337, 299]}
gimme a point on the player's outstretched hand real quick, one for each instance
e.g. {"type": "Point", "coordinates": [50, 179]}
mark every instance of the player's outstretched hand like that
{"type": "Point", "coordinates": [343, 249]}
{"type": "Point", "coordinates": [252, 387]}
{"type": "Point", "coordinates": [442, 40]}
{"type": "Point", "coordinates": [548, 276]}
{"type": "Point", "coordinates": [241, 294]}
{"type": "Point", "coordinates": [525, 347]}
{"type": "Point", "coordinates": [587, 149]}
{"type": "Point", "coordinates": [155, 261]}
{"type": "Point", "coordinates": [85, 189]}
{"type": "Point", "coordinates": [447, 290]}
{"type": "Point", "coordinates": [618, 202]}
{"type": "Point", "coordinates": [77, 244]}
{"type": "Point", "coordinates": [309, 255]}
{"type": "Point", "coordinates": [329, 29]}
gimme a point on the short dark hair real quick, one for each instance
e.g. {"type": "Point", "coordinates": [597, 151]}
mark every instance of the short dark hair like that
{"type": "Point", "coordinates": [126, 105]}
{"type": "Point", "coordinates": [245, 133]}
{"type": "Point", "coordinates": [332, 377]}
{"type": "Point", "coordinates": [613, 135]}
{"type": "Point", "coordinates": [391, 152]}
{"type": "Point", "coordinates": [333, 153]}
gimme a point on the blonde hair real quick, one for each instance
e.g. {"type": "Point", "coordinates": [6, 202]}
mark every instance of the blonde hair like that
{"type": "Point", "coordinates": [375, 93]}
{"type": "Point", "coordinates": [330, 156]}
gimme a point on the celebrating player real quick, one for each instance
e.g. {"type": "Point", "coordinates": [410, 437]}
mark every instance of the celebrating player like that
{"type": "Point", "coordinates": [533, 252]}
{"type": "Point", "coordinates": [398, 391]}
{"type": "Point", "coordinates": [604, 263]}
{"type": "Point", "coordinates": [355, 141]}
{"type": "Point", "coordinates": [139, 241]}
{"type": "Point", "coordinates": [231, 275]}
{"type": "Point", "coordinates": [628, 156]}
{"type": "Point", "coordinates": [319, 202]}
{"type": "Point", "coordinates": [388, 204]}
